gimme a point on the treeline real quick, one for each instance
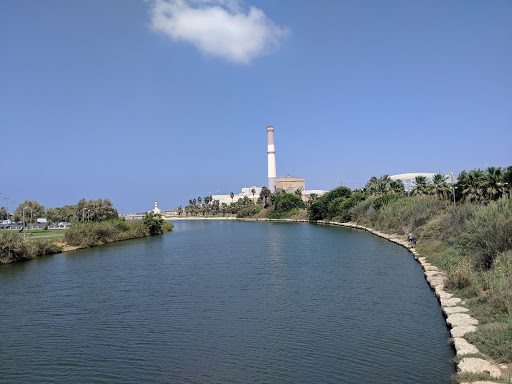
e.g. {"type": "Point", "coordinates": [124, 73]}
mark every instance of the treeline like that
{"type": "Point", "coordinates": [92, 210]}
{"type": "Point", "coordinates": [15, 247]}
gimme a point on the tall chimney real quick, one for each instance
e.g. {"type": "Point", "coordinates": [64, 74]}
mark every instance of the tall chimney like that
{"type": "Point", "coordinates": [271, 153]}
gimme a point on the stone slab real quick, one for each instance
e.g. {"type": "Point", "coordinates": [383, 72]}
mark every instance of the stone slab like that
{"type": "Point", "coordinates": [463, 347]}
{"type": "Point", "coordinates": [449, 310]}
{"type": "Point", "coordinates": [475, 365]}
{"type": "Point", "coordinates": [461, 319]}
{"type": "Point", "coordinates": [451, 302]}
{"type": "Point", "coordinates": [461, 330]}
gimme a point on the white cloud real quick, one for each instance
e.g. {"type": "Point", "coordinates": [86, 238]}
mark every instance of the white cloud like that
{"type": "Point", "coordinates": [217, 27]}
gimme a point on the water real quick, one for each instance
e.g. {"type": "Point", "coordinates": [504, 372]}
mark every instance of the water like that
{"type": "Point", "coordinates": [224, 302]}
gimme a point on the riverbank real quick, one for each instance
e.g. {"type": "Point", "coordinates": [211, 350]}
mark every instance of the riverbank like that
{"type": "Point", "coordinates": [471, 363]}
{"type": "Point", "coordinates": [14, 247]}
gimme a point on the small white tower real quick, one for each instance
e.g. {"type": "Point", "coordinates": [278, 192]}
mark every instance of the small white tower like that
{"type": "Point", "coordinates": [156, 210]}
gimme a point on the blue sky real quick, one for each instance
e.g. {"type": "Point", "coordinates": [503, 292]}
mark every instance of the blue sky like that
{"type": "Point", "coordinates": [169, 100]}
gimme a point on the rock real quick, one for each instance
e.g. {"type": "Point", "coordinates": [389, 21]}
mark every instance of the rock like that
{"type": "Point", "coordinates": [461, 330]}
{"type": "Point", "coordinates": [442, 294]}
{"type": "Point", "coordinates": [481, 382]}
{"type": "Point", "coordinates": [451, 302]}
{"type": "Point", "coordinates": [430, 268]}
{"type": "Point", "coordinates": [461, 319]}
{"type": "Point", "coordinates": [463, 347]}
{"type": "Point", "coordinates": [449, 310]}
{"type": "Point", "coordinates": [474, 365]}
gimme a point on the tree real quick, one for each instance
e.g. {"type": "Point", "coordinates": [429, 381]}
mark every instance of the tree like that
{"type": "Point", "coordinates": [34, 210]}
{"type": "Point", "coordinates": [3, 214]}
{"type": "Point", "coordinates": [439, 186]}
{"type": "Point", "coordinates": [265, 196]}
{"type": "Point", "coordinates": [492, 183]}
{"type": "Point", "coordinates": [153, 223]}
{"type": "Point", "coordinates": [253, 191]}
{"type": "Point", "coordinates": [199, 200]}
{"type": "Point", "coordinates": [180, 210]}
{"type": "Point", "coordinates": [232, 195]}
{"type": "Point", "coordinates": [421, 186]}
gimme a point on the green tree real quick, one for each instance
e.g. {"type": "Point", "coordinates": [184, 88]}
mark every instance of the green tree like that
{"type": "Point", "coordinates": [253, 191]}
{"type": "Point", "coordinates": [439, 186]}
{"type": "Point", "coordinates": [232, 195]}
{"type": "Point", "coordinates": [421, 186]}
{"type": "Point", "coordinates": [34, 210]}
{"type": "Point", "coordinates": [153, 223]}
{"type": "Point", "coordinates": [265, 196]}
{"type": "Point", "coordinates": [3, 213]}
{"type": "Point", "coordinates": [492, 182]}
{"type": "Point", "coordinates": [180, 210]}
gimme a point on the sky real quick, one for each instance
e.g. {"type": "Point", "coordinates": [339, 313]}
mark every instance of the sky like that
{"type": "Point", "coordinates": [138, 101]}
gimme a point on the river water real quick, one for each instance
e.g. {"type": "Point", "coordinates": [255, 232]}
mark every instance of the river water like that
{"type": "Point", "coordinates": [225, 302]}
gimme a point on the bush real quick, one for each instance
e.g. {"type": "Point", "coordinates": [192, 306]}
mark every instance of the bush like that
{"type": "Point", "coordinates": [247, 212]}
{"type": "Point", "coordinates": [384, 200]}
{"type": "Point", "coordinates": [284, 203]}
{"type": "Point", "coordinates": [14, 247]}
{"type": "Point", "coordinates": [490, 233]}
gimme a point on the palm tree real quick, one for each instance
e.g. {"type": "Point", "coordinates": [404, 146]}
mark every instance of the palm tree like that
{"type": "Point", "coordinates": [397, 186]}
{"type": "Point", "coordinates": [180, 210]}
{"type": "Point", "coordinates": [473, 185]}
{"type": "Point", "coordinates": [421, 186]}
{"type": "Point", "coordinates": [265, 194]}
{"type": "Point", "coordinates": [493, 179]}
{"type": "Point", "coordinates": [439, 185]}
{"type": "Point", "coordinates": [232, 195]}
{"type": "Point", "coordinates": [199, 200]}
{"type": "Point", "coordinates": [253, 191]}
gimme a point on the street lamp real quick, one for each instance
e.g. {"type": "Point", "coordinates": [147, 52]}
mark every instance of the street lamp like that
{"type": "Point", "coordinates": [24, 226]}
{"type": "Point", "coordinates": [453, 186]}
{"type": "Point", "coordinates": [503, 186]}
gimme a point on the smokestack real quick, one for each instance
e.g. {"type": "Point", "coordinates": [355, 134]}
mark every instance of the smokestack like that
{"type": "Point", "coordinates": [271, 153]}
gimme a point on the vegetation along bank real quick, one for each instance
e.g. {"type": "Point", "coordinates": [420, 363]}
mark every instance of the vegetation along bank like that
{"type": "Point", "coordinates": [16, 247]}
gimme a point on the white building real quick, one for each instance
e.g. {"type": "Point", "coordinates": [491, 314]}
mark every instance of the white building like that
{"type": "Point", "coordinates": [246, 191]}
{"type": "Point", "coordinates": [408, 178]}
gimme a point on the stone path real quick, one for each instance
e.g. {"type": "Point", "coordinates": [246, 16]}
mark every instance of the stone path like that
{"type": "Point", "coordinates": [460, 322]}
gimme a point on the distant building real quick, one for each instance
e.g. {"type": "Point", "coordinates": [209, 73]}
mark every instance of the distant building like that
{"type": "Point", "coordinates": [408, 178]}
{"type": "Point", "coordinates": [246, 191]}
{"type": "Point", "coordinates": [290, 184]}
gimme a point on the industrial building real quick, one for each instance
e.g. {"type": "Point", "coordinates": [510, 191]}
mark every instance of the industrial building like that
{"type": "Point", "coordinates": [290, 184]}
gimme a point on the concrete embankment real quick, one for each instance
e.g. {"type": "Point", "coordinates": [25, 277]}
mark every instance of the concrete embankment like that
{"type": "Point", "coordinates": [458, 320]}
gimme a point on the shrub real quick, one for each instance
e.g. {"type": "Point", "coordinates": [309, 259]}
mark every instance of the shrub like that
{"type": "Point", "coordinates": [247, 212]}
{"type": "Point", "coordinates": [384, 200]}
{"type": "Point", "coordinates": [490, 233]}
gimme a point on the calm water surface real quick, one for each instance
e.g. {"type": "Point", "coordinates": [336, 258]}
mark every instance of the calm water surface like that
{"type": "Point", "coordinates": [224, 302]}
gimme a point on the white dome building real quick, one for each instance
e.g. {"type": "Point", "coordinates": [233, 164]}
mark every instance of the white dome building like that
{"type": "Point", "coordinates": [408, 178]}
